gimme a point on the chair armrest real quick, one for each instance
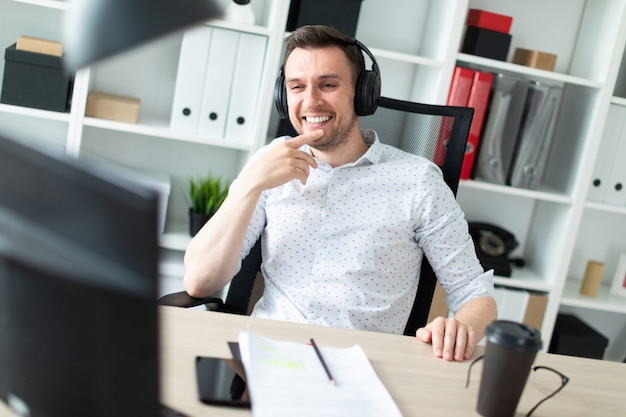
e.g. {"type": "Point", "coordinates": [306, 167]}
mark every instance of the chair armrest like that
{"type": "Point", "coordinates": [182, 299]}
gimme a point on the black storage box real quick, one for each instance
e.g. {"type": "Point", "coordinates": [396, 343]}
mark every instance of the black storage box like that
{"type": "Point", "coordinates": [343, 15]}
{"type": "Point", "coordinates": [35, 80]}
{"type": "Point", "coordinates": [574, 337]}
{"type": "Point", "coordinates": [486, 43]}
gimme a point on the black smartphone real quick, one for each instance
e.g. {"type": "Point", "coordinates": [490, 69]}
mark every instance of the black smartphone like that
{"type": "Point", "coordinates": [221, 382]}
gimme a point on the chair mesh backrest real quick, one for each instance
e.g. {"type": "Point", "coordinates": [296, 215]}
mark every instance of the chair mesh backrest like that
{"type": "Point", "coordinates": [438, 133]}
{"type": "Point", "coordinates": [416, 133]}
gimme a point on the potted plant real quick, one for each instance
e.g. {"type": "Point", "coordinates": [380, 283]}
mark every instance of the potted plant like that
{"type": "Point", "coordinates": [207, 194]}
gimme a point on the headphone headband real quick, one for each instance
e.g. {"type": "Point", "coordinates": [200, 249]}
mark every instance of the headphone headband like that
{"type": "Point", "coordinates": [367, 52]}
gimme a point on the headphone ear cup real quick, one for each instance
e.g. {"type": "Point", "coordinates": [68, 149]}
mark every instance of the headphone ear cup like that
{"type": "Point", "coordinates": [367, 93]}
{"type": "Point", "coordinates": [280, 96]}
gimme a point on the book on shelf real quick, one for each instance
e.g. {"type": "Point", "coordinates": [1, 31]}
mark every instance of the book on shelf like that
{"type": "Point", "coordinates": [518, 135]}
{"type": "Point", "coordinates": [502, 123]}
{"type": "Point", "coordinates": [478, 99]}
{"type": "Point", "coordinates": [535, 137]}
{"type": "Point", "coordinates": [611, 138]}
{"type": "Point", "coordinates": [459, 93]}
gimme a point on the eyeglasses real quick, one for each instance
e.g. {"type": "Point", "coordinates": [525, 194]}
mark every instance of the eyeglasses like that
{"type": "Point", "coordinates": [549, 383]}
{"type": "Point", "coordinates": [546, 384]}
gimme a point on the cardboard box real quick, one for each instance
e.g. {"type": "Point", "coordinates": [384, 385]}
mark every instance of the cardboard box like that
{"type": "Point", "coordinates": [113, 107]}
{"type": "Point", "coordinates": [343, 15]}
{"type": "Point", "coordinates": [486, 43]}
{"type": "Point", "coordinates": [488, 20]}
{"type": "Point", "coordinates": [35, 80]}
{"type": "Point", "coordinates": [534, 59]}
{"type": "Point", "coordinates": [40, 46]}
{"type": "Point", "coordinates": [535, 310]}
{"type": "Point", "coordinates": [574, 337]}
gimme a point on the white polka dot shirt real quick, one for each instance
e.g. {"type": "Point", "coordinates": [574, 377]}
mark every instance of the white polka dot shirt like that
{"type": "Point", "coordinates": [345, 249]}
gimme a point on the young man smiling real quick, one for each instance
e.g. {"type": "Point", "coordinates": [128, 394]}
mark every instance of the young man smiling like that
{"type": "Point", "coordinates": [345, 220]}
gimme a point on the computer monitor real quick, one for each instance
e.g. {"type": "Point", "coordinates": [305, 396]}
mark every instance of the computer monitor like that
{"type": "Point", "coordinates": [78, 288]}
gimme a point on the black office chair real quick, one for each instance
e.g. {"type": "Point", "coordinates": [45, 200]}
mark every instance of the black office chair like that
{"type": "Point", "coordinates": [438, 133]}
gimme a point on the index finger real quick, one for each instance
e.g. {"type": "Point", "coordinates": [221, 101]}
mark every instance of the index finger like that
{"type": "Point", "coordinates": [303, 139]}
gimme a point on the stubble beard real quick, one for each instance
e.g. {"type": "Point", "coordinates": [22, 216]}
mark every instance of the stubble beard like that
{"type": "Point", "coordinates": [336, 138]}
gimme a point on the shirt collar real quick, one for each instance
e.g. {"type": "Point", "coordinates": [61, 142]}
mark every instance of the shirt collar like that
{"type": "Point", "coordinates": [374, 151]}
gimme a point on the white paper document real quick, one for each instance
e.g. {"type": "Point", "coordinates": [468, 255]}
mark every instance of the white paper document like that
{"type": "Point", "coordinates": [287, 379]}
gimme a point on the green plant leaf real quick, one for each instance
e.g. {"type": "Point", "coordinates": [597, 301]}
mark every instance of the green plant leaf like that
{"type": "Point", "coordinates": [207, 193]}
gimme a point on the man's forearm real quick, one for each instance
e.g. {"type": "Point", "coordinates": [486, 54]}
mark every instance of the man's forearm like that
{"type": "Point", "coordinates": [212, 257]}
{"type": "Point", "coordinates": [478, 313]}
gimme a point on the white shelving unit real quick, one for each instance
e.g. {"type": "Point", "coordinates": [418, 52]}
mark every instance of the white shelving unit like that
{"type": "Point", "coordinates": [551, 223]}
{"type": "Point", "coordinates": [416, 43]}
{"type": "Point", "coordinates": [148, 73]}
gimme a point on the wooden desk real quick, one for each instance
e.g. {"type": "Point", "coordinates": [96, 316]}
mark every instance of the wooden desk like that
{"type": "Point", "coordinates": [421, 384]}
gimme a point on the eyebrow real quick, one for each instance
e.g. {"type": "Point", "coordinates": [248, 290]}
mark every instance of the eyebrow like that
{"type": "Point", "coordinates": [331, 76]}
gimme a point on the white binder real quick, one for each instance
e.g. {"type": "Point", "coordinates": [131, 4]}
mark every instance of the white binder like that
{"type": "Point", "coordinates": [218, 81]}
{"type": "Point", "coordinates": [192, 62]}
{"type": "Point", "coordinates": [245, 90]}
{"type": "Point", "coordinates": [616, 185]}
{"type": "Point", "coordinates": [613, 129]}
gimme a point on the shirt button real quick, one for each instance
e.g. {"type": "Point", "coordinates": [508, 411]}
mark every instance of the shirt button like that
{"type": "Point", "coordinates": [313, 316]}
{"type": "Point", "coordinates": [324, 245]}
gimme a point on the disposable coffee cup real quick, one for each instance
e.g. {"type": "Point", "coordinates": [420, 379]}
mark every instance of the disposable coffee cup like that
{"type": "Point", "coordinates": [510, 352]}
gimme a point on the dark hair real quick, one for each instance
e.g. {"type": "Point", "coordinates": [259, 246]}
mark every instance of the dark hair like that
{"type": "Point", "coordinates": [319, 36]}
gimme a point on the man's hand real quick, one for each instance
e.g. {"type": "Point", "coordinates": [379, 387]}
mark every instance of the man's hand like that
{"type": "Point", "coordinates": [456, 338]}
{"type": "Point", "coordinates": [451, 339]}
{"type": "Point", "coordinates": [282, 163]}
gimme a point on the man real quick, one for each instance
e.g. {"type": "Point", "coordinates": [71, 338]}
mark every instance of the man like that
{"type": "Point", "coordinates": [345, 219]}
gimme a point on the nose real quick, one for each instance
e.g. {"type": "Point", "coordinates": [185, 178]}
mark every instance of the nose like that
{"type": "Point", "coordinates": [312, 98]}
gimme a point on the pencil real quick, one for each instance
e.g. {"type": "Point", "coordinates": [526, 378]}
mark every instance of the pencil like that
{"type": "Point", "coordinates": [321, 358]}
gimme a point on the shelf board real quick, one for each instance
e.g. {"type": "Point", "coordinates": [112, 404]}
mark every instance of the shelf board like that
{"type": "Point", "coordinates": [239, 27]}
{"type": "Point", "coordinates": [160, 128]}
{"type": "Point", "coordinates": [51, 4]}
{"type": "Point", "coordinates": [527, 71]}
{"type": "Point", "coordinates": [552, 196]}
{"type": "Point", "coordinates": [175, 237]}
{"type": "Point", "coordinates": [402, 57]}
{"type": "Point", "coordinates": [620, 101]}
{"type": "Point", "coordinates": [604, 301]}
{"type": "Point", "coordinates": [30, 112]}
{"type": "Point", "coordinates": [607, 208]}
{"type": "Point", "coordinates": [523, 278]}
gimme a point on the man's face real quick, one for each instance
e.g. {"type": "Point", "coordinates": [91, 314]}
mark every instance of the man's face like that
{"type": "Point", "coordinates": [320, 94]}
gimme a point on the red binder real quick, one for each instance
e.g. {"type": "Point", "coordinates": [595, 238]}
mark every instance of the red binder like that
{"type": "Point", "coordinates": [460, 87]}
{"type": "Point", "coordinates": [478, 99]}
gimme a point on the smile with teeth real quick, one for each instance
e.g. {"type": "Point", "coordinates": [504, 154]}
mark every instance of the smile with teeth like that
{"type": "Point", "coordinates": [317, 119]}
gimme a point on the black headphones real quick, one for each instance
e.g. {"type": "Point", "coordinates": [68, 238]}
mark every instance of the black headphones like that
{"type": "Point", "coordinates": [366, 94]}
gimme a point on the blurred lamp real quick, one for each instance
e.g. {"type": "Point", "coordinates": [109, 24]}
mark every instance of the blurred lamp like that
{"type": "Point", "coordinates": [96, 29]}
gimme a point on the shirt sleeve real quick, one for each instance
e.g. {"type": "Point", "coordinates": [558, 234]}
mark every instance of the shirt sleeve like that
{"type": "Point", "coordinates": [443, 234]}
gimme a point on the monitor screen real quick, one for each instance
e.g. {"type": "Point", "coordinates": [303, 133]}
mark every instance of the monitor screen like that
{"type": "Point", "coordinates": [78, 288]}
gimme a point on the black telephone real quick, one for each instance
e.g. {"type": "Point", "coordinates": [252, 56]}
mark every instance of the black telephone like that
{"type": "Point", "coordinates": [493, 246]}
